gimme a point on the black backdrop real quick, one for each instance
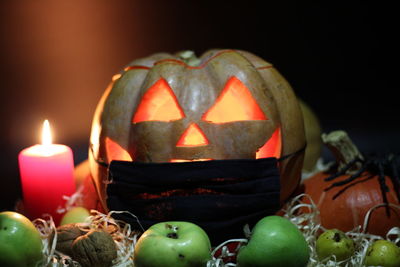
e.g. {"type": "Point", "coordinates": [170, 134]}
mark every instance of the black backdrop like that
{"type": "Point", "coordinates": [339, 57]}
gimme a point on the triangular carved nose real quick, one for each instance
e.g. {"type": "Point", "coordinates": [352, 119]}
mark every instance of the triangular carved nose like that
{"type": "Point", "coordinates": [193, 136]}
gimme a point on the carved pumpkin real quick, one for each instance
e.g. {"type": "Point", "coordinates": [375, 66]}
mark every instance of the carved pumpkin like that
{"type": "Point", "coordinates": [227, 104]}
{"type": "Point", "coordinates": [345, 198]}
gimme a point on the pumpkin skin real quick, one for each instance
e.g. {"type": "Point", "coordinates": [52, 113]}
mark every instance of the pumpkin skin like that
{"type": "Point", "coordinates": [348, 210]}
{"type": "Point", "coordinates": [313, 131]}
{"type": "Point", "coordinates": [121, 130]}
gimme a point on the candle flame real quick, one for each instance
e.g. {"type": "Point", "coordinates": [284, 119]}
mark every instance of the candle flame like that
{"type": "Point", "coordinates": [46, 134]}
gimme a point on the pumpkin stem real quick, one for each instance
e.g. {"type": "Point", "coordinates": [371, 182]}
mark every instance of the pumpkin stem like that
{"type": "Point", "coordinates": [344, 150]}
{"type": "Point", "coordinates": [189, 58]}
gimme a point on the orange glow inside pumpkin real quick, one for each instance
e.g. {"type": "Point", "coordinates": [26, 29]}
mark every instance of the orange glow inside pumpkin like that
{"type": "Point", "coordinates": [235, 103]}
{"type": "Point", "coordinates": [271, 148]}
{"type": "Point", "coordinates": [159, 103]}
{"type": "Point", "coordinates": [115, 151]}
{"type": "Point", "coordinates": [193, 136]}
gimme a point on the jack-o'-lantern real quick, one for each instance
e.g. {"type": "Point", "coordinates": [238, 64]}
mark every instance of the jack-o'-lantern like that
{"type": "Point", "coordinates": [227, 104]}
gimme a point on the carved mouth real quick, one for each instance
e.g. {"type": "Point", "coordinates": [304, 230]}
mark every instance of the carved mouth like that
{"type": "Point", "coordinates": [273, 146]}
{"type": "Point", "coordinates": [188, 160]}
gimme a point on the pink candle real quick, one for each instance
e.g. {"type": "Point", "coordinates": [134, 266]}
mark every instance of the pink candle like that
{"type": "Point", "coordinates": [46, 172]}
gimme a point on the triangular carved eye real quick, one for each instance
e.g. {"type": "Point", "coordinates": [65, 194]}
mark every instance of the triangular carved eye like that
{"type": "Point", "coordinates": [235, 103]}
{"type": "Point", "coordinates": [159, 103]}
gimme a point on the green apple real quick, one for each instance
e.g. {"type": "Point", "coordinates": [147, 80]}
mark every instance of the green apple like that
{"type": "Point", "coordinates": [334, 242]}
{"type": "Point", "coordinates": [178, 244]}
{"type": "Point", "coordinates": [20, 241]}
{"type": "Point", "coordinates": [75, 215]}
{"type": "Point", "coordinates": [274, 241]}
{"type": "Point", "coordinates": [383, 253]}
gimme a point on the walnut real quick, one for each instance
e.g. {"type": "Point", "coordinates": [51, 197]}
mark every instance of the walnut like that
{"type": "Point", "coordinates": [66, 234]}
{"type": "Point", "coordinates": [96, 248]}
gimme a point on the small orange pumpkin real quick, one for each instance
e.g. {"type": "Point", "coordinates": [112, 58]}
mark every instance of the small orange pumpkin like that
{"type": "Point", "coordinates": [344, 199]}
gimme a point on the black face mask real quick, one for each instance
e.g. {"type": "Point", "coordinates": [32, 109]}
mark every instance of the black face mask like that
{"type": "Point", "coordinates": [221, 196]}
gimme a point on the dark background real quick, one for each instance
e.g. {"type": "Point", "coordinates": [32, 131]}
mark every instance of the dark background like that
{"type": "Point", "coordinates": [57, 57]}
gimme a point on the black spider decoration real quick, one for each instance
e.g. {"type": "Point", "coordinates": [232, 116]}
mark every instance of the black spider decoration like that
{"type": "Point", "coordinates": [376, 165]}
